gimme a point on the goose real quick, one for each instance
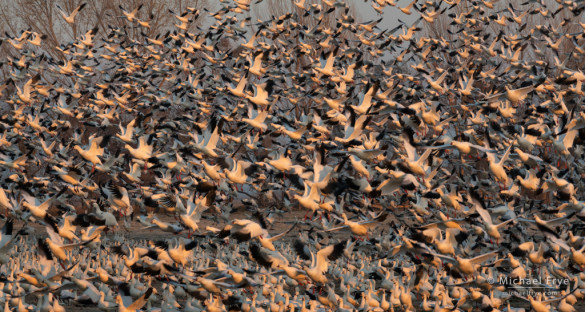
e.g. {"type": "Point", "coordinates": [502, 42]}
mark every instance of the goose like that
{"type": "Point", "coordinates": [239, 89]}
{"type": "Point", "coordinates": [527, 158]}
{"type": "Point", "coordinates": [497, 167]}
{"type": "Point", "coordinates": [246, 229]}
{"type": "Point", "coordinates": [181, 253]}
{"type": "Point", "coordinates": [70, 19]}
{"type": "Point", "coordinates": [108, 218]}
{"type": "Point", "coordinates": [529, 182]}
{"type": "Point", "coordinates": [360, 228]}
{"type": "Point", "coordinates": [281, 162]}
{"type": "Point", "coordinates": [292, 272]}
{"type": "Point", "coordinates": [267, 258]}
{"type": "Point", "coordinates": [164, 226]}
{"type": "Point", "coordinates": [207, 141]}
{"type": "Point", "coordinates": [256, 67]}
{"type": "Point", "coordinates": [354, 128]}
{"type": "Point", "coordinates": [136, 305]}
{"type": "Point", "coordinates": [513, 95]}
{"type": "Point", "coordinates": [95, 150]}
{"type": "Point", "coordinates": [239, 173]}
{"type": "Point", "coordinates": [491, 229]}
{"type": "Point", "coordinates": [25, 94]}
{"type": "Point", "coordinates": [134, 174]}
{"type": "Point", "coordinates": [251, 43]}
{"type": "Point", "coordinates": [131, 16]}
{"type": "Point", "coordinates": [414, 163]}
{"type": "Point", "coordinates": [406, 9]}
{"type": "Point", "coordinates": [36, 39]}
{"type": "Point", "coordinates": [258, 118]}
{"type": "Point", "coordinates": [195, 207]}
{"type": "Point", "coordinates": [262, 93]}
{"type": "Point", "coordinates": [214, 287]}
{"type": "Point", "coordinates": [67, 230]}
{"type": "Point", "coordinates": [320, 262]}
{"type": "Point", "coordinates": [118, 197]}
{"type": "Point", "coordinates": [540, 305]}
{"type": "Point", "coordinates": [38, 209]}
{"type": "Point", "coordinates": [267, 242]}
{"type": "Point", "coordinates": [469, 266]}
{"type": "Point", "coordinates": [366, 101]}
{"type": "Point", "coordinates": [327, 68]}
{"type": "Point", "coordinates": [462, 147]}
{"type": "Point", "coordinates": [213, 171]}
{"type": "Point", "coordinates": [16, 164]}
{"type": "Point", "coordinates": [397, 180]}
{"type": "Point", "coordinates": [144, 150]}
{"type": "Point", "coordinates": [108, 165]}
{"type": "Point", "coordinates": [310, 198]}
{"type": "Point", "coordinates": [56, 245]}
{"type": "Point", "coordinates": [436, 84]}
{"type": "Point", "coordinates": [565, 142]}
{"type": "Point", "coordinates": [335, 104]}
{"type": "Point", "coordinates": [126, 133]}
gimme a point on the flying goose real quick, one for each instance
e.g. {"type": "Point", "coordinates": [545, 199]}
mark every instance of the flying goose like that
{"type": "Point", "coordinates": [95, 150]}
{"type": "Point", "coordinates": [70, 19]}
{"type": "Point", "coordinates": [136, 305]}
{"type": "Point", "coordinates": [491, 229]}
{"type": "Point", "coordinates": [143, 152]}
{"type": "Point", "coordinates": [320, 262]}
{"type": "Point", "coordinates": [360, 228]}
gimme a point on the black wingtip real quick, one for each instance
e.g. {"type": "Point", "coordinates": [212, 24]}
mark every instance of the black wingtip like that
{"type": "Point", "coordinates": [300, 250]}
{"type": "Point", "coordinates": [337, 251]}
{"type": "Point", "coordinates": [259, 257]}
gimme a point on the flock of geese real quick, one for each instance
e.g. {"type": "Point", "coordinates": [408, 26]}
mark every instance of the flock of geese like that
{"type": "Point", "coordinates": [303, 163]}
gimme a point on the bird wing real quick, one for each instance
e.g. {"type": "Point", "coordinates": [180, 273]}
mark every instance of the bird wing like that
{"type": "Point", "coordinates": [55, 238]}
{"type": "Point", "coordinates": [446, 224]}
{"type": "Point", "coordinates": [505, 157]}
{"type": "Point", "coordinates": [479, 206]}
{"type": "Point", "coordinates": [214, 136]}
{"type": "Point", "coordinates": [389, 186]}
{"type": "Point", "coordinates": [481, 148]}
{"type": "Point", "coordinates": [504, 223]}
{"type": "Point", "coordinates": [6, 234]}
{"type": "Point", "coordinates": [410, 150]}
{"type": "Point", "coordinates": [335, 228]}
{"type": "Point", "coordinates": [259, 256]}
{"type": "Point", "coordinates": [140, 302]}
{"type": "Point", "coordinates": [484, 257]}
{"type": "Point", "coordinates": [276, 237]}
{"type": "Point", "coordinates": [302, 250]}
{"type": "Point", "coordinates": [331, 252]}
{"type": "Point", "coordinates": [445, 258]}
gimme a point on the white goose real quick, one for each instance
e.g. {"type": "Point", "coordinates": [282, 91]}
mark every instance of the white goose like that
{"type": "Point", "coordinates": [310, 199]}
{"type": "Point", "coordinates": [320, 262]}
{"type": "Point", "coordinates": [414, 163]}
{"type": "Point", "coordinates": [127, 133]}
{"type": "Point", "coordinates": [70, 19]}
{"type": "Point", "coordinates": [194, 210]}
{"type": "Point", "coordinates": [256, 118]}
{"type": "Point", "coordinates": [143, 151]}
{"type": "Point", "coordinates": [136, 305]}
{"type": "Point", "coordinates": [38, 209]}
{"type": "Point", "coordinates": [94, 152]}
{"type": "Point", "coordinates": [206, 142]}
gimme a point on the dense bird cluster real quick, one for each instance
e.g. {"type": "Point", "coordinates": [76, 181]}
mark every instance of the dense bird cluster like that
{"type": "Point", "coordinates": [464, 152]}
